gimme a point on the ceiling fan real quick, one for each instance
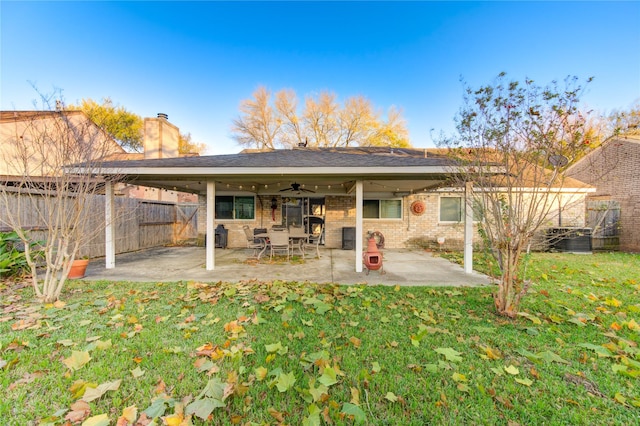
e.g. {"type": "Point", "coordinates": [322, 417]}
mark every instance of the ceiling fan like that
{"type": "Point", "coordinates": [296, 188]}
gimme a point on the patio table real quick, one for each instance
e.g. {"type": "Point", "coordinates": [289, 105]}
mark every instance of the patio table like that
{"type": "Point", "coordinates": [265, 239]}
{"type": "Point", "coordinates": [298, 240]}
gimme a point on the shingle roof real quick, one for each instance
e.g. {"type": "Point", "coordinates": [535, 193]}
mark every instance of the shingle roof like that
{"type": "Point", "coordinates": [298, 157]}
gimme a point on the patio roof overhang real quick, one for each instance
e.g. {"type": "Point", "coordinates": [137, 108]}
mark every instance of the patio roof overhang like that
{"type": "Point", "coordinates": [324, 180]}
{"type": "Point", "coordinates": [357, 172]}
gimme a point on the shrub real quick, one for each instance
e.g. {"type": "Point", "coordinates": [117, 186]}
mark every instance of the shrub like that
{"type": "Point", "coordinates": [13, 260]}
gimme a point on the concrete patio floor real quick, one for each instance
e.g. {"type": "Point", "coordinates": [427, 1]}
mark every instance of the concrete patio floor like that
{"type": "Point", "coordinates": [401, 266]}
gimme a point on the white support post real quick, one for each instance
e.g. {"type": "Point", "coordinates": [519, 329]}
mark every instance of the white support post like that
{"type": "Point", "coordinates": [210, 235]}
{"type": "Point", "coordinates": [468, 228]}
{"type": "Point", "coordinates": [109, 228]}
{"type": "Point", "coordinates": [359, 227]}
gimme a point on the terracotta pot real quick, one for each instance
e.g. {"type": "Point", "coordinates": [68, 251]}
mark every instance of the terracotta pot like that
{"type": "Point", "coordinates": [78, 268]}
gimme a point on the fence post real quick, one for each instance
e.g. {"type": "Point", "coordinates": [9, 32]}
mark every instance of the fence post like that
{"type": "Point", "coordinates": [210, 235]}
{"type": "Point", "coordinates": [109, 229]}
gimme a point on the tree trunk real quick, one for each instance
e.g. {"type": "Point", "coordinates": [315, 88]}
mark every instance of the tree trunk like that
{"type": "Point", "coordinates": [507, 298]}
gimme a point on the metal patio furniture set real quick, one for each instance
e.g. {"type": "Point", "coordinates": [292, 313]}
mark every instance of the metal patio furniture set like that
{"type": "Point", "coordinates": [282, 240]}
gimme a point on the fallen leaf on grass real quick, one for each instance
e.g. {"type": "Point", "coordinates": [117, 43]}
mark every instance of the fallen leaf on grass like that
{"type": "Point", "coordinates": [285, 381]}
{"type": "Point", "coordinates": [261, 373]}
{"type": "Point", "coordinates": [27, 378]}
{"type": "Point", "coordinates": [314, 416]}
{"type": "Point", "coordinates": [490, 353]}
{"type": "Point", "coordinates": [277, 347]}
{"type": "Point", "coordinates": [79, 411]}
{"type": "Point", "coordinates": [613, 302]}
{"type": "Point", "coordinates": [328, 377]}
{"type": "Point", "coordinates": [600, 350]}
{"type": "Point", "coordinates": [450, 354]}
{"type": "Point", "coordinates": [92, 394]}
{"type": "Point", "coordinates": [278, 415]}
{"type": "Point", "coordinates": [457, 377]}
{"type": "Point", "coordinates": [77, 360]}
{"type": "Point", "coordinates": [552, 357]}
{"type": "Point", "coordinates": [620, 398]}
{"type": "Point", "coordinates": [512, 370]}
{"type": "Point", "coordinates": [317, 393]}
{"type": "Point", "coordinates": [128, 416]}
{"type": "Point", "coordinates": [137, 372]}
{"type": "Point", "coordinates": [390, 396]}
{"type": "Point", "coordinates": [202, 408]}
{"type": "Point", "coordinates": [99, 420]}
{"type": "Point", "coordinates": [526, 382]}
{"type": "Point", "coordinates": [355, 396]}
{"type": "Point", "coordinates": [352, 410]}
{"type": "Point", "coordinates": [530, 317]}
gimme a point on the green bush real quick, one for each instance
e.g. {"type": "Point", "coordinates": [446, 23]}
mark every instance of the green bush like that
{"type": "Point", "coordinates": [13, 260]}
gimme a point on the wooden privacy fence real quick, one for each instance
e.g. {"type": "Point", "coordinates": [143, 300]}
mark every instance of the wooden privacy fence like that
{"type": "Point", "coordinates": [603, 217]}
{"type": "Point", "coordinates": [139, 224]}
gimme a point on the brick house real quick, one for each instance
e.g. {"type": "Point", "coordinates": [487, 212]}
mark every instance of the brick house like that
{"type": "Point", "coordinates": [39, 133]}
{"type": "Point", "coordinates": [397, 192]}
{"type": "Point", "coordinates": [614, 168]}
{"type": "Point", "coordinates": [33, 142]}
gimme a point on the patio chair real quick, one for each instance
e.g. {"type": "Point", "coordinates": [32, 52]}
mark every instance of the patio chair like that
{"type": "Point", "coordinates": [279, 242]}
{"type": "Point", "coordinates": [256, 244]}
{"type": "Point", "coordinates": [297, 237]}
{"type": "Point", "coordinates": [313, 242]}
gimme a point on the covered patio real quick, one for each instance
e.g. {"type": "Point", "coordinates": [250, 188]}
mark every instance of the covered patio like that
{"type": "Point", "coordinates": [403, 267]}
{"type": "Point", "coordinates": [260, 186]}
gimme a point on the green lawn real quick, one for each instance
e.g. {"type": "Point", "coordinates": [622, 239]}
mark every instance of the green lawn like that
{"type": "Point", "coordinates": [299, 353]}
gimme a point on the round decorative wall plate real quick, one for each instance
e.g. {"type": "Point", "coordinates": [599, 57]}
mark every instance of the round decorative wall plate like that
{"type": "Point", "coordinates": [418, 208]}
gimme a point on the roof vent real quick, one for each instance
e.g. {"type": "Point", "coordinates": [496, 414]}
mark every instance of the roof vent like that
{"type": "Point", "coordinates": [163, 115]}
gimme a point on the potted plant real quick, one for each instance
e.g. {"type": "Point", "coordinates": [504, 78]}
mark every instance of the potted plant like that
{"type": "Point", "coordinates": [78, 268]}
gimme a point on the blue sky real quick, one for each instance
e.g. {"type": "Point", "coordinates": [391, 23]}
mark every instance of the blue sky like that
{"type": "Point", "coordinates": [196, 61]}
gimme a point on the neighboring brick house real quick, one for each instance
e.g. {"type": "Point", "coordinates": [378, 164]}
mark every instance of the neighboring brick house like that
{"type": "Point", "coordinates": [35, 134]}
{"type": "Point", "coordinates": [38, 143]}
{"type": "Point", "coordinates": [614, 168]}
{"type": "Point", "coordinates": [401, 191]}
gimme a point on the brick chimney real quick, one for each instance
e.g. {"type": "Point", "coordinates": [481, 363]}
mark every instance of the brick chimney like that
{"type": "Point", "coordinates": [160, 138]}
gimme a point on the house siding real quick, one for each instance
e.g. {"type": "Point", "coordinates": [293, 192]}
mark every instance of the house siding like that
{"type": "Point", "coordinates": [411, 231]}
{"type": "Point", "coordinates": [614, 170]}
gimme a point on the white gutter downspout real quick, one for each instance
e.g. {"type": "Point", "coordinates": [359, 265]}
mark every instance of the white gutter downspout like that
{"type": "Point", "coordinates": [210, 237]}
{"type": "Point", "coordinates": [359, 227]}
{"type": "Point", "coordinates": [109, 229]}
{"type": "Point", "coordinates": [468, 228]}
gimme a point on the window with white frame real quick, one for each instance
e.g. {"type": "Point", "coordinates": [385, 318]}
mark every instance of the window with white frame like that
{"type": "Point", "coordinates": [452, 209]}
{"type": "Point", "coordinates": [235, 207]}
{"type": "Point", "coordinates": [382, 209]}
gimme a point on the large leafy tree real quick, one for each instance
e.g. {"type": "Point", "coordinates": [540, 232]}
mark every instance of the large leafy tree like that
{"type": "Point", "coordinates": [187, 146]}
{"type": "Point", "coordinates": [529, 134]}
{"type": "Point", "coordinates": [268, 122]}
{"type": "Point", "coordinates": [124, 126]}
